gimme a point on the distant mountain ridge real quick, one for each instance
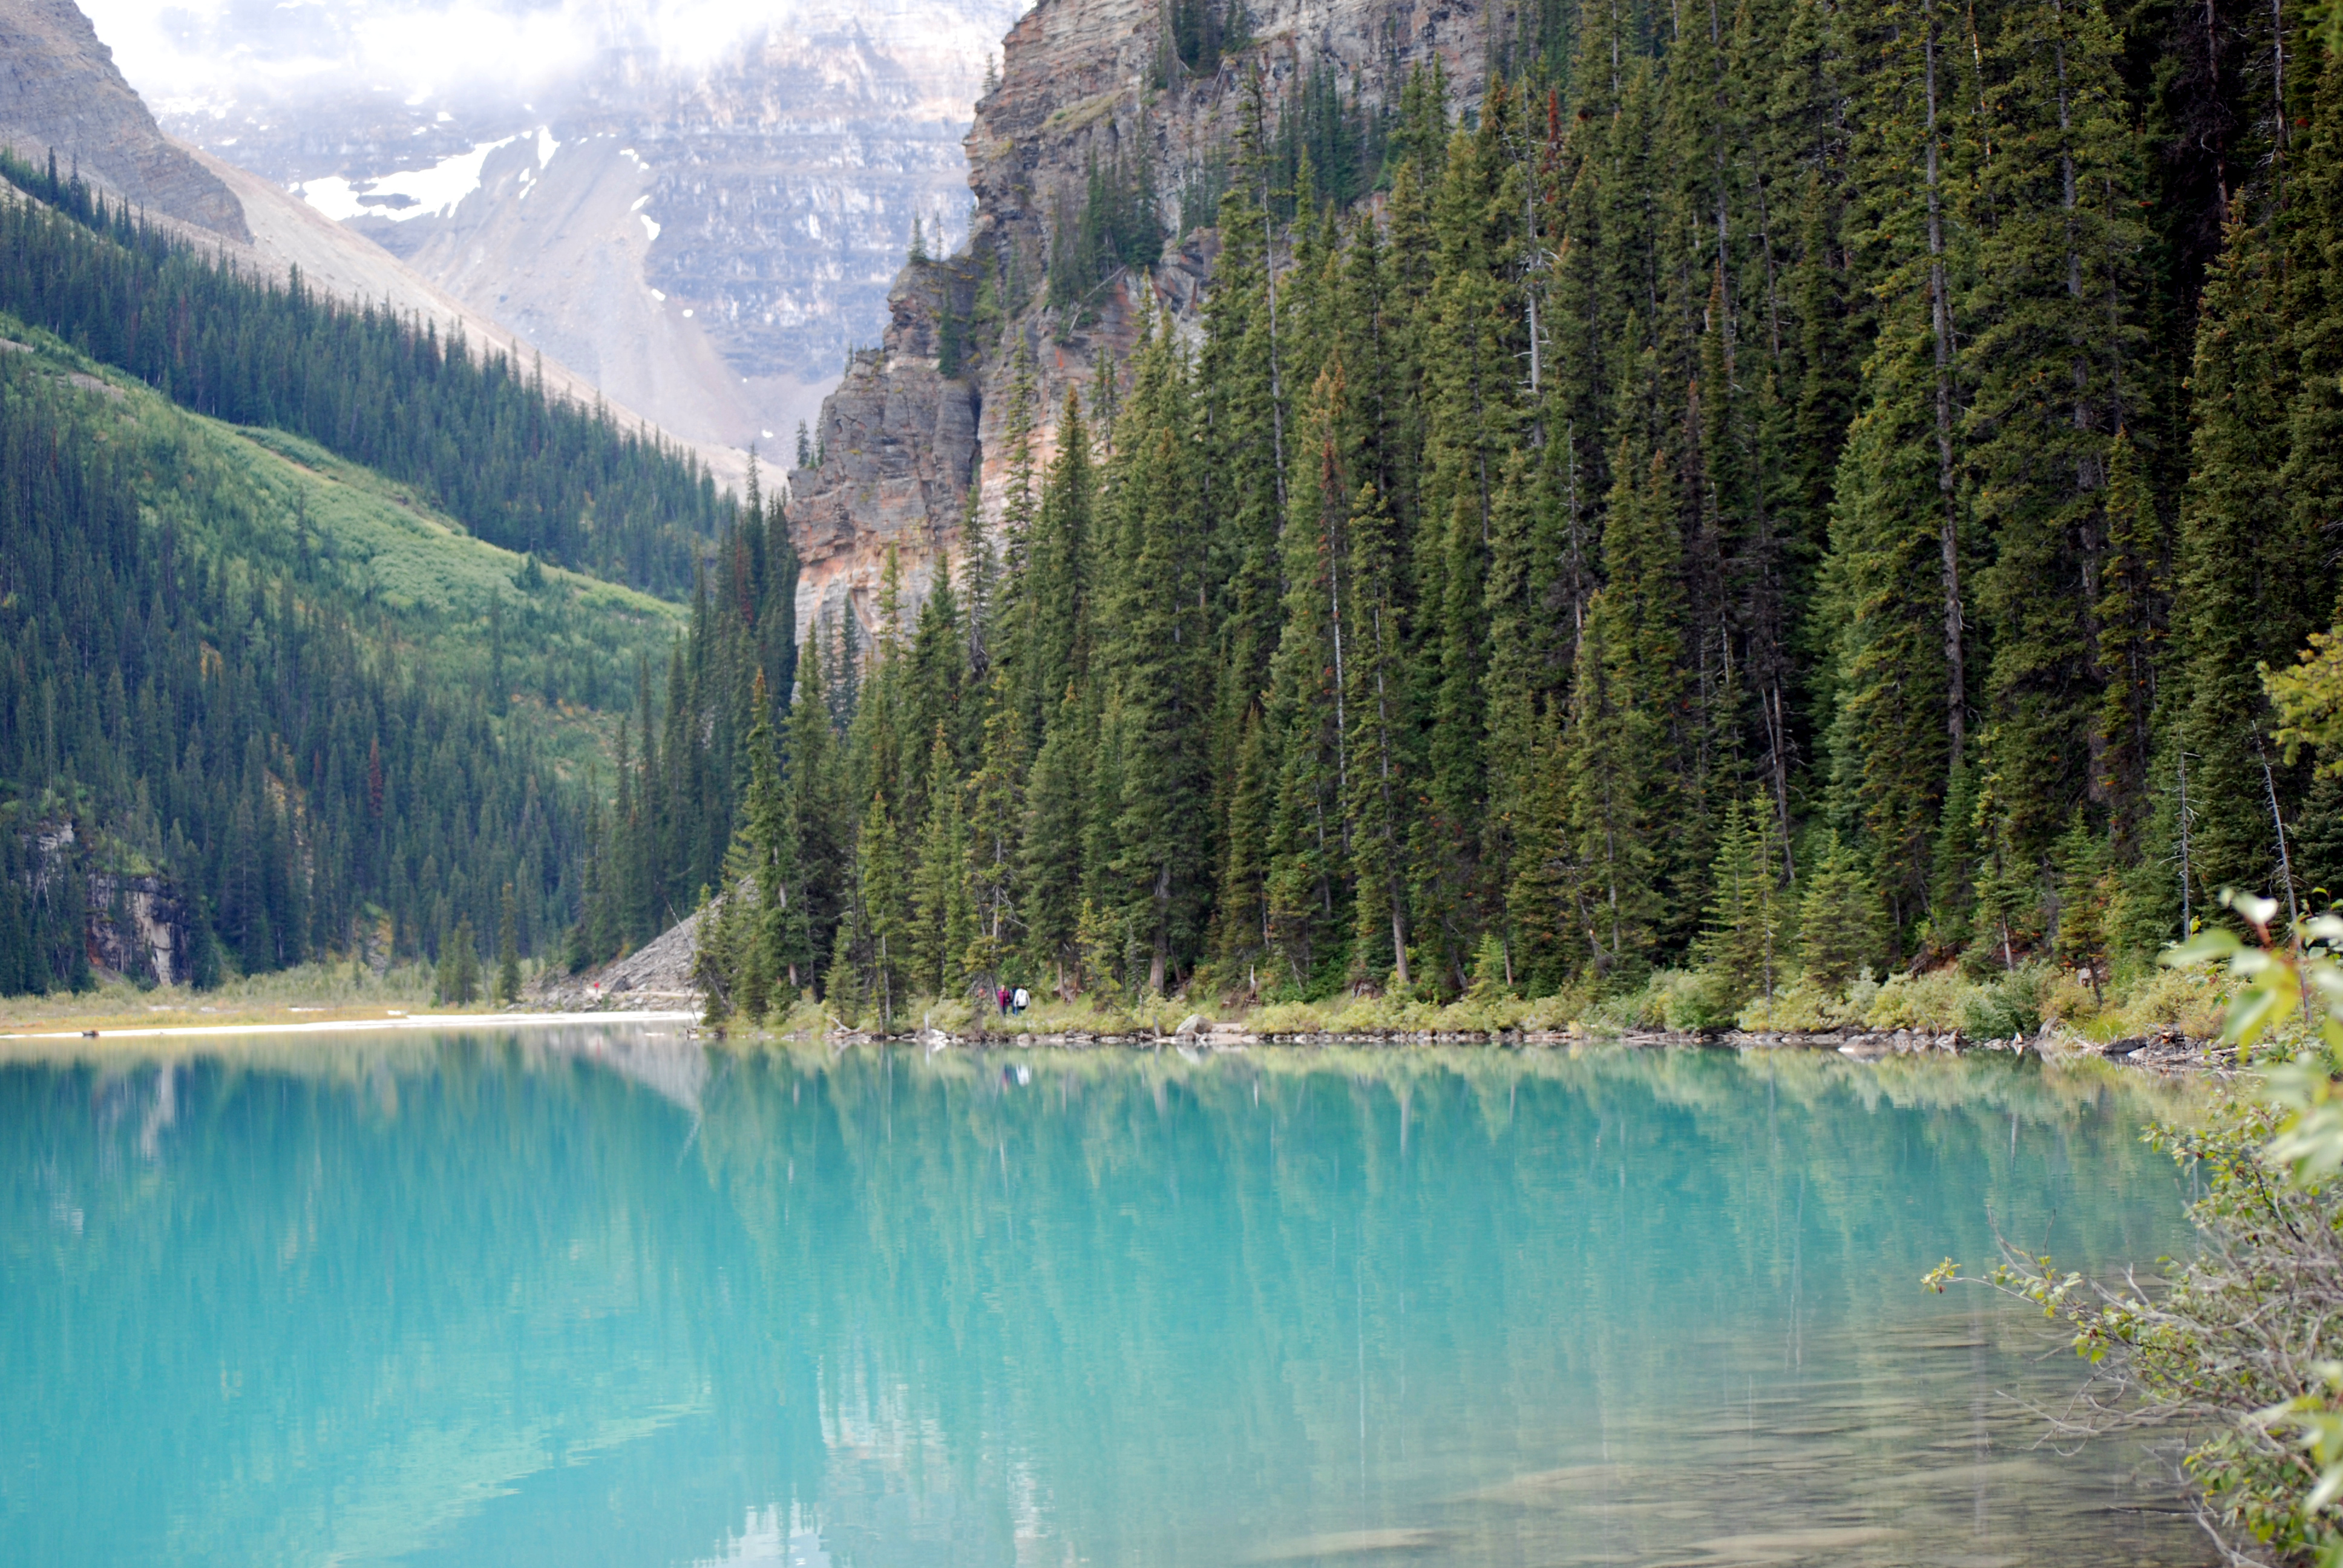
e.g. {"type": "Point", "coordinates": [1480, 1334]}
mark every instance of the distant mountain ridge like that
{"type": "Point", "coordinates": [59, 90]}
{"type": "Point", "coordinates": [704, 235]}
{"type": "Point", "coordinates": [61, 93]}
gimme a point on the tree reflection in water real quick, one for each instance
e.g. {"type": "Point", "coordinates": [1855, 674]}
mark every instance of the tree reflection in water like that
{"type": "Point", "coordinates": [596, 1297]}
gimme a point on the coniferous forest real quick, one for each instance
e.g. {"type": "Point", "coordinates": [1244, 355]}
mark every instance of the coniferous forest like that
{"type": "Point", "coordinates": [186, 708]}
{"type": "Point", "coordinates": [329, 727]}
{"type": "Point", "coordinates": [1779, 492]}
{"type": "Point", "coordinates": [481, 437]}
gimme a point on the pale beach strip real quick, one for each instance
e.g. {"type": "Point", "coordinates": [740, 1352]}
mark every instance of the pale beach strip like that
{"type": "Point", "coordinates": [462, 1021]}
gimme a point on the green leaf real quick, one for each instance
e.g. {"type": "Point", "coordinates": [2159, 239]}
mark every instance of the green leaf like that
{"type": "Point", "coordinates": [2203, 948]}
{"type": "Point", "coordinates": [2258, 1008]}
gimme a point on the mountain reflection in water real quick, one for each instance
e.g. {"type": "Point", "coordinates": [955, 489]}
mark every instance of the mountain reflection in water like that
{"type": "Point", "coordinates": [588, 1296]}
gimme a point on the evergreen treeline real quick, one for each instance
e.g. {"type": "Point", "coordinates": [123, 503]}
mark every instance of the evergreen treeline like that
{"type": "Point", "coordinates": [683, 764]}
{"type": "Point", "coordinates": [195, 711]}
{"type": "Point", "coordinates": [1196, 35]}
{"type": "Point", "coordinates": [1785, 490]}
{"type": "Point", "coordinates": [1117, 225]}
{"type": "Point", "coordinates": [521, 469]}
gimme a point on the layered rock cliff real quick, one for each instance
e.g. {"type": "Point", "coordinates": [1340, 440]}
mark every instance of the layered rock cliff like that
{"type": "Point", "coordinates": [135, 926]}
{"type": "Point", "coordinates": [1082, 84]}
{"type": "Point", "coordinates": [60, 93]}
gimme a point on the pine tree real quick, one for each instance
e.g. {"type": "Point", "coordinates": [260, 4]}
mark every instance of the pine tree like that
{"type": "Point", "coordinates": [1304, 715]}
{"type": "Point", "coordinates": [779, 945]}
{"type": "Point", "coordinates": [1837, 918]}
{"type": "Point", "coordinates": [980, 572]}
{"type": "Point", "coordinates": [933, 689]}
{"type": "Point", "coordinates": [1472, 416]}
{"type": "Point", "coordinates": [507, 947]}
{"type": "Point", "coordinates": [1880, 589]}
{"type": "Point", "coordinates": [943, 922]}
{"type": "Point", "coordinates": [1746, 938]}
{"type": "Point", "coordinates": [1893, 579]}
{"type": "Point", "coordinates": [1153, 650]}
{"type": "Point", "coordinates": [2312, 478]}
{"type": "Point", "coordinates": [818, 821]}
{"type": "Point", "coordinates": [2054, 365]}
{"type": "Point", "coordinates": [1051, 872]}
{"type": "Point", "coordinates": [883, 908]}
{"type": "Point", "coordinates": [1609, 784]}
{"type": "Point", "coordinates": [2228, 558]}
{"type": "Point", "coordinates": [1617, 783]}
{"type": "Point", "coordinates": [2086, 896]}
{"type": "Point", "coordinates": [1057, 579]}
{"type": "Point", "coordinates": [995, 825]}
{"type": "Point", "coordinates": [1521, 666]}
{"type": "Point", "coordinates": [458, 983]}
{"type": "Point", "coordinates": [2133, 607]}
{"type": "Point", "coordinates": [1380, 737]}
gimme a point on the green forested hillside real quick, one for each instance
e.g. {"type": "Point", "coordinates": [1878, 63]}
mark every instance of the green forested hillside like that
{"type": "Point", "coordinates": [1784, 488]}
{"type": "Point", "coordinates": [322, 712]}
{"type": "Point", "coordinates": [479, 435]}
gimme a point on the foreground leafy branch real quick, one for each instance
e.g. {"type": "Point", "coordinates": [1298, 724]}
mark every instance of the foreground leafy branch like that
{"type": "Point", "coordinates": [2240, 1346]}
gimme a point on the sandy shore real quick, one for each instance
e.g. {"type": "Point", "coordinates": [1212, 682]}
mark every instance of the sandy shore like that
{"type": "Point", "coordinates": [426, 1021]}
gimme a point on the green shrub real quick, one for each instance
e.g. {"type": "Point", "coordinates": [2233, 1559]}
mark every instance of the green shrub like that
{"type": "Point", "coordinates": [1801, 1007]}
{"type": "Point", "coordinates": [2011, 1005]}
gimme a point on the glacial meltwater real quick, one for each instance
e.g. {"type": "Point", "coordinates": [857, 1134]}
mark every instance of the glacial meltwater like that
{"type": "Point", "coordinates": [601, 1296]}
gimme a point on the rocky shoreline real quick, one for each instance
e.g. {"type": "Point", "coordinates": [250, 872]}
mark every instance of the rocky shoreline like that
{"type": "Point", "coordinates": [658, 977]}
{"type": "Point", "coordinates": [2169, 1051]}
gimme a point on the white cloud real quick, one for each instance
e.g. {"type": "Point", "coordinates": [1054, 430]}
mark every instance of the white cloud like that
{"type": "Point", "coordinates": [189, 53]}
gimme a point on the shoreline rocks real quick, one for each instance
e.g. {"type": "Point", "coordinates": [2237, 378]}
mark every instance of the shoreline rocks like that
{"type": "Point", "coordinates": [2166, 1051]}
{"type": "Point", "coordinates": [654, 977]}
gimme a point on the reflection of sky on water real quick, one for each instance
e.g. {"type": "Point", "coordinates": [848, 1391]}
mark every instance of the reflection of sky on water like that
{"type": "Point", "coordinates": [772, 1537]}
{"type": "Point", "coordinates": [589, 1296]}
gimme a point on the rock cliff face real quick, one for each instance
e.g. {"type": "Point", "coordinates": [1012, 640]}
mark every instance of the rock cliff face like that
{"type": "Point", "coordinates": [133, 926]}
{"type": "Point", "coordinates": [59, 90]}
{"type": "Point", "coordinates": [137, 927]}
{"type": "Point", "coordinates": [902, 442]}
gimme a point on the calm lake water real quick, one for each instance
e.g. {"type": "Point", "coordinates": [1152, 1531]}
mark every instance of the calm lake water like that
{"type": "Point", "coordinates": [596, 1297]}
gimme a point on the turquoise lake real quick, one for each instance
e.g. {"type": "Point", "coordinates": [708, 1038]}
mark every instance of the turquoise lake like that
{"type": "Point", "coordinates": [598, 1296]}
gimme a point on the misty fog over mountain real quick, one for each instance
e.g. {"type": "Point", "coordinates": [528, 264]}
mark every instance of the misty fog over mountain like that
{"type": "Point", "coordinates": [697, 206]}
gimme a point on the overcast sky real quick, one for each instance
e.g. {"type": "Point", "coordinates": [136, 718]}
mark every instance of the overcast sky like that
{"type": "Point", "coordinates": [181, 54]}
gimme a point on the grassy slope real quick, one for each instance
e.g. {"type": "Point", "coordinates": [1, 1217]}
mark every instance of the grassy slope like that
{"type": "Point", "coordinates": [418, 590]}
{"type": "Point", "coordinates": [415, 584]}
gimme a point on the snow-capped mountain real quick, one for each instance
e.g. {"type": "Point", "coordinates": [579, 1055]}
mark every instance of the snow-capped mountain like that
{"type": "Point", "coordinates": [698, 206]}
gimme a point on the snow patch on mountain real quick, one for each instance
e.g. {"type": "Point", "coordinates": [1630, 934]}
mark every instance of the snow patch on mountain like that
{"type": "Point", "coordinates": [432, 192]}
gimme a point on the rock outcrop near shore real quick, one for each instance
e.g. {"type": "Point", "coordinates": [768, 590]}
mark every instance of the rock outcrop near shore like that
{"type": "Point", "coordinates": [655, 977]}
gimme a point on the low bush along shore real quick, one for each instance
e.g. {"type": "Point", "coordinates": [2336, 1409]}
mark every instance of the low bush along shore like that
{"type": "Point", "coordinates": [1994, 1006]}
{"type": "Point", "coordinates": [1979, 1008]}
